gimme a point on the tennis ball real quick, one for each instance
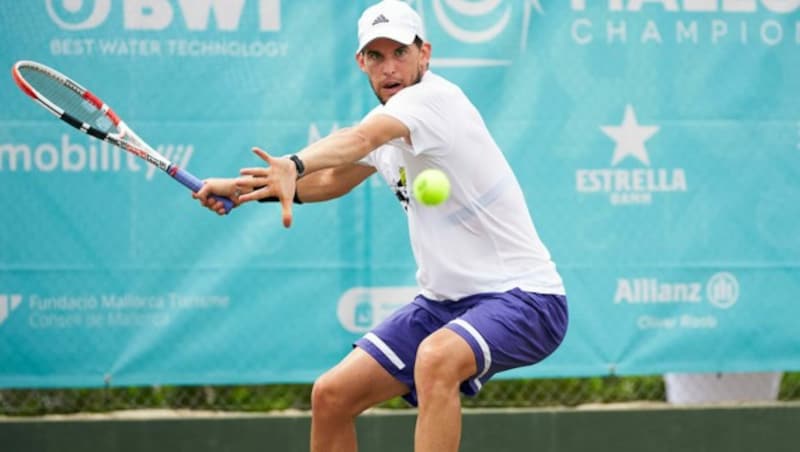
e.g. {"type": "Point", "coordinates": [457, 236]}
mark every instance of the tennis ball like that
{"type": "Point", "coordinates": [431, 187]}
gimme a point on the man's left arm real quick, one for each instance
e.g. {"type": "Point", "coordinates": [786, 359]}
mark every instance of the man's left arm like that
{"type": "Point", "coordinates": [335, 150]}
{"type": "Point", "coordinates": [353, 144]}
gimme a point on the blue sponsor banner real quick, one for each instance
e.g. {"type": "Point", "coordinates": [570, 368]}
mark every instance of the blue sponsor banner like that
{"type": "Point", "coordinates": [658, 144]}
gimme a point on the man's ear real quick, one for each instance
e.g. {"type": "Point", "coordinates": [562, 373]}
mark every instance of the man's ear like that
{"type": "Point", "coordinates": [360, 61]}
{"type": "Point", "coordinates": [425, 52]}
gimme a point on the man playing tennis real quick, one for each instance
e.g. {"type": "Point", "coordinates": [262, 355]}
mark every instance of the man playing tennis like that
{"type": "Point", "coordinates": [490, 296]}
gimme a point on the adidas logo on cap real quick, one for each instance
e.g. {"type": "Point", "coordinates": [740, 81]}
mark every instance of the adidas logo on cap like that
{"type": "Point", "coordinates": [380, 20]}
{"type": "Point", "coordinates": [391, 19]}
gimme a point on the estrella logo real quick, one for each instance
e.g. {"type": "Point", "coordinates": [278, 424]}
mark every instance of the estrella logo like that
{"type": "Point", "coordinates": [630, 180]}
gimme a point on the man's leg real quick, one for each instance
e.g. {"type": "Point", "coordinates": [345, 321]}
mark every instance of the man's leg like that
{"type": "Point", "coordinates": [338, 396]}
{"type": "Point", "coordinates": [444, 360]}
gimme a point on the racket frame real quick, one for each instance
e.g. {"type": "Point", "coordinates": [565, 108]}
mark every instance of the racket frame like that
{"type": "Point", "coordinates": [125, 138]}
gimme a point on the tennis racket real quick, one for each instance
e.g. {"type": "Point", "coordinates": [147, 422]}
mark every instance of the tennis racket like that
{"type": "Point", "coordinates": [81, 109]}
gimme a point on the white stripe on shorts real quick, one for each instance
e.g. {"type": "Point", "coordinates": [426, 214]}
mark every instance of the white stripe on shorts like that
{"type": "Point", "coordinates": [487, 354]}
{"type": "Point", "coordinates": [386, 350]}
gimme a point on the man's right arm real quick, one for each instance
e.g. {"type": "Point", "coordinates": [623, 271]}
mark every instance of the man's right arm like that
{"type": "Point", "coordinates": [331, 183]}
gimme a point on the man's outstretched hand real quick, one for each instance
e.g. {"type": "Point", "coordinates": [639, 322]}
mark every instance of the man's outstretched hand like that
{"type": "Point", "coordinates": [278, 179]}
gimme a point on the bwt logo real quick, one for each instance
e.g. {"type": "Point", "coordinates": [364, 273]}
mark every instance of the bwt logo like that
{"type": "Point", "coordinates": [476, 23]}
{"type": "Point", "coordinates": [8, 303]}
{"type": "Point", "coordinates": [76, 15]}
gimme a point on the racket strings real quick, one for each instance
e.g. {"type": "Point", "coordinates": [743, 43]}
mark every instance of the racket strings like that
{"type": "Point", "coordinates": [67, 98]}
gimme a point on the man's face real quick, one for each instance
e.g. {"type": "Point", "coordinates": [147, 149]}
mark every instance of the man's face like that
{"type": "Point", "coordinates": [392, 66]}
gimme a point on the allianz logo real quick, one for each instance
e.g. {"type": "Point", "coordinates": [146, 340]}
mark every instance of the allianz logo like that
{"type": "Point", "coordinates": [91, 156]}
{"type": "Point", "coordinates": [721, 290]}
{"type": "Point", "coordinates": [74, 15]}
{"type": "Point", "coordinates": [697, 6]}
{"type": "Point", "coordinates": [8, 303]}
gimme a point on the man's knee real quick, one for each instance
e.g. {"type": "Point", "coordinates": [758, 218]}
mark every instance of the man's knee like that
{"type": "Point", "coordinates": [329, 397]}
{"type": "Point", "coordinates": [443, 361]}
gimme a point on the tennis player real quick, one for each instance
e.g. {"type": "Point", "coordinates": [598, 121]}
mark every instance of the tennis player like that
{"type": "Point", "coordinates": [490, 296]}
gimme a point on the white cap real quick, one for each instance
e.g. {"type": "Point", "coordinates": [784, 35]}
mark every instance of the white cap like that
{"type": "Point", "coordinates": [393, 19]}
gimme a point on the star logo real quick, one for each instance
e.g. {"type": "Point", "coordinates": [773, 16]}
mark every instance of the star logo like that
{"type": "Point", "coordinates": [630, 137]}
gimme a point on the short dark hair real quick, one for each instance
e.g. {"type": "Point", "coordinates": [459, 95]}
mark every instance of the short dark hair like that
{"type": "Point", "coordinates": [417, 42]}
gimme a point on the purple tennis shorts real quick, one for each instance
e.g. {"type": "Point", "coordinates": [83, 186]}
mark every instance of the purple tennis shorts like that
{"type": "Point", "coordinates": [505, 330]}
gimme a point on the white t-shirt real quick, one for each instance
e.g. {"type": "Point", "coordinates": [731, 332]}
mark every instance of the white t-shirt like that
{"type": "Point", "coordinates": [482, 239]}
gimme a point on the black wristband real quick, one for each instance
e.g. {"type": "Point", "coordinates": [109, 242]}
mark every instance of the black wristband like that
{"type": "Point", "coordinates": [298, 164]}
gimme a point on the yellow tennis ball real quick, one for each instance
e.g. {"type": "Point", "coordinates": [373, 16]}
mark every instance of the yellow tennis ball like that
{"type": "Point", "coordinates": [431, 187]}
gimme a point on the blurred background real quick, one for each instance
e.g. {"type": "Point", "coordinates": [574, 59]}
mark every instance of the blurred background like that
{"type": "Point", "coordinates": [658, 145]}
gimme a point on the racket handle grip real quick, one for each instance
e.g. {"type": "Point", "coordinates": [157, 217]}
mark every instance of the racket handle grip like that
{"type": "Point", "coordinates": [194, 184]}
